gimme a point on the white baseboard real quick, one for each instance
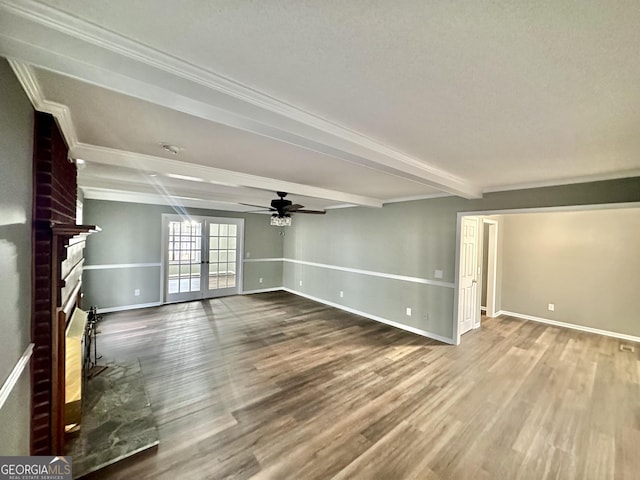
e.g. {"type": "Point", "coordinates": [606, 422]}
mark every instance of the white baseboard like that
{"type": "Point", "coordinates": [128, 307]}
{"type": "Point", "coordinates": [157, 304]}
{"type": "Point", "coordinates": [401, 326]}
{"type": "Point", "coordinates": [573, 326]}
{"type": "Point", "coordinates": [263, 290]}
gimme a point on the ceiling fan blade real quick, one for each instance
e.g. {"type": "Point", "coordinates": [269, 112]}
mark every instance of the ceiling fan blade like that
{"type": "Point", "coordinates": [293, 208]}
{"type": "Point", "coordinates": [283, 207]}
{"type": "Point", "coordinates": [256, 206]}
{"type": "Point", "coordinates": [315, 212]}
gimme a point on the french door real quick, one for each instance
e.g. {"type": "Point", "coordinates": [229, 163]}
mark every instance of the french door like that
{"type": "Point", "coordinates": [202, 257]}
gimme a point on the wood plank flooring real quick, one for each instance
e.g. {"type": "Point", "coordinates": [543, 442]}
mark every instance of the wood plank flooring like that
{"type": "Point", "coordinates": [276, 386]}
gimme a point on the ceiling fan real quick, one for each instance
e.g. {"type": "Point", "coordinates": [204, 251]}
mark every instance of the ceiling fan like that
{"type": "Point", "coordinates": [283, 209]}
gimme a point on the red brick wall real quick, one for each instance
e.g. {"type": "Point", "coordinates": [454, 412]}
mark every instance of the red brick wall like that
{"type": "Point", "coordinates": [55, 191]}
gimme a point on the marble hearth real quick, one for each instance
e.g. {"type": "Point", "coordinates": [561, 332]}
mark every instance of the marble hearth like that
{"type": "Point", "coordinates": [117, 420]}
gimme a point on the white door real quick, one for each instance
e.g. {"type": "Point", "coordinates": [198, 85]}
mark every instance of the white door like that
{"type": "Point", "coordinates": [201, 257]}
{"type": "Point", "coordinates": [468, 299]}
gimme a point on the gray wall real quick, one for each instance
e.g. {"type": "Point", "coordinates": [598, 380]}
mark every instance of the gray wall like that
{"type": "Point", "coordinates": [132, 233]}
{"type": "Point", "coordinates": [586, 263]}
{"type": "Point", "coordinates": [411, 239]}
{"type": "Point", "coordinates": [406, 239]}
{"type": "Point", "coordinates": [16, 150]}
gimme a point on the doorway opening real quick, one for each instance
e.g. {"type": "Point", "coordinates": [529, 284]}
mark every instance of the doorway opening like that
{"type": "Point", "coordinates": [467, 307]}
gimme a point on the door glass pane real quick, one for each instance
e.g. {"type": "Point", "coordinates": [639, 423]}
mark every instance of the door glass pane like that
{"type": "Point", "coordinates": [222, 255]}
{"type": "Point", "coordinates": [184, 256]}
{"type": "Point", "coordinates": [213, 276]}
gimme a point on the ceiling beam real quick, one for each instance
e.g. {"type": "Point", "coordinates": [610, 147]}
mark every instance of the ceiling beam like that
{"type": "Point", "coordinates": [47, 37]}
{"type": "Point", "coordinates": [178, 203]}
{"type": "Point", "coordinates": [164, 166]}
{"type": "Point", "coordinates": [201, 173]}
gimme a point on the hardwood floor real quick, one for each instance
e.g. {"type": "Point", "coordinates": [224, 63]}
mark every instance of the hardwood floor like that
{"type": "Point", "coordinates": [276, 386]}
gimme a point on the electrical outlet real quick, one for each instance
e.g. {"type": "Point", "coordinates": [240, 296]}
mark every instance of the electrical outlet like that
{"type": "Point", "coordinates": [260, 280]}
{"type": "Point", "coordinates": [551, 307]}
{"type": "Point", "coordinates": [136, 292]}
{"type": "Point", "coordinates": [341, 294]}
{"type": "Point", "coordinates": [247, 255]}
{"type": "Point", "coordinates": [408, 311]}
{"type": "Point", "coordinates": [437, 274]}
{"type": "Point", "coordinates": [300, 283]}
{"type": "Point", "coordinates": [426, 317]}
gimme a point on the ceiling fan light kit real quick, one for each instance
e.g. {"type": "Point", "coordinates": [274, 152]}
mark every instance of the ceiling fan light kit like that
{"type": "Point", "coordinates": [277, 221]}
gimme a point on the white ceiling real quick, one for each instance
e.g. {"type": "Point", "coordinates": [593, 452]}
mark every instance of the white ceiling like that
{"type": "Point", "coordinates": [336, 102]}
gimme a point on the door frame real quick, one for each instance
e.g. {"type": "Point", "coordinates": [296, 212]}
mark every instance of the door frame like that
{"type": "Point", "coordinates": [167, 217]}
{"type": "Point", "coordinates": [492, 264]}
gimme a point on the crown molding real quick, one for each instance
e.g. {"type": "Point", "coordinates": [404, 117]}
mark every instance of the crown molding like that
{"type": "Point", "coordinates": [416, 197]}
{"type": "Point", "coordinates": [93, 54]}
{"type": "Point", "coordinates": [61, 113]}
{"type": "Point", "coordinates": [565, 181]}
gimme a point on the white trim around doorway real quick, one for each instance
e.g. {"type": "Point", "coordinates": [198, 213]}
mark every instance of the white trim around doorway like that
{"type": "Point", "coordinates": [565, 208]}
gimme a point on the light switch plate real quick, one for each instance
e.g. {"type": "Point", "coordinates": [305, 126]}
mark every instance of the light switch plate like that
{"type": "Point", "coordinates": [437, 273]}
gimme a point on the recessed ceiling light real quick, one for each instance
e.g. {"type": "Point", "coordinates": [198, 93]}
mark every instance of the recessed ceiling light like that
{"type": "Point", "coordinates": [184, 177]}
{"type": "Point", "coordinates": [172, 149]}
